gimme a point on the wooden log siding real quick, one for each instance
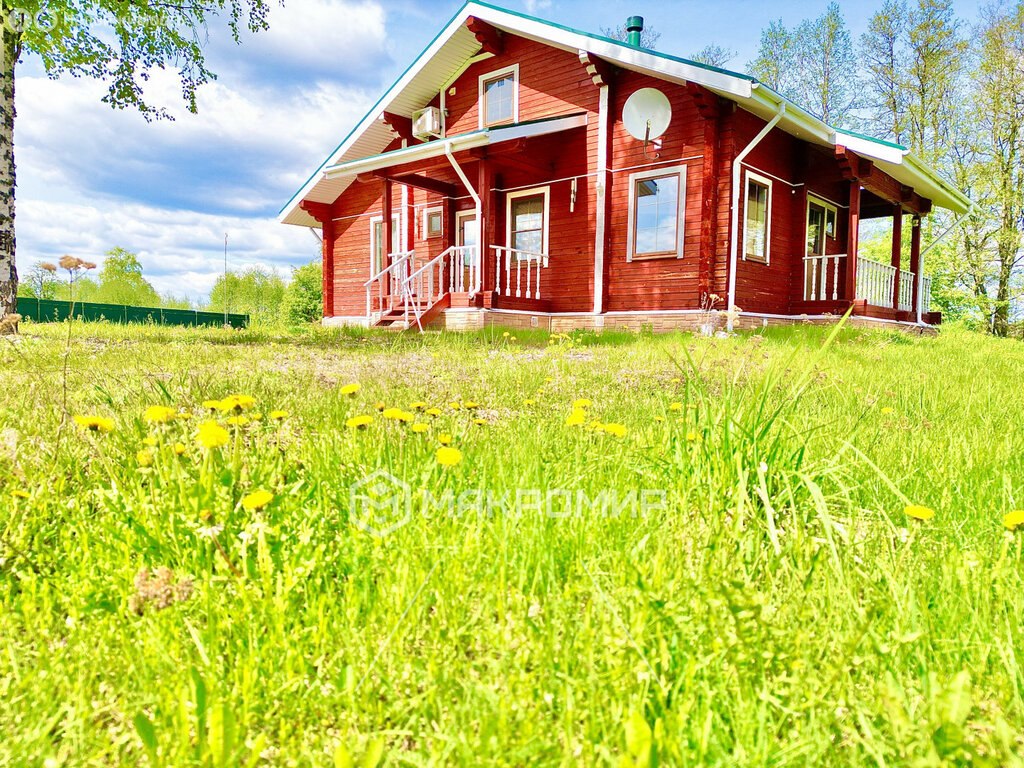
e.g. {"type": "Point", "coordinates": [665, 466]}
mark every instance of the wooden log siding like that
{"type": "Point", "coordinates": [664, 283]}
{"type": "Point", "coordinates": [553, 83]}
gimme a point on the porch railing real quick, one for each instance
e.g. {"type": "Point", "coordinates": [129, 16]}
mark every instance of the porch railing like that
{"type": "Point", "coordinates": [906, 298]}
{"type": "Point", "coordinates": [389, 281]}
{"type": "Point", "coordinates": [517, 273]}
{"type": "Point", "coordinates": [465, 269]}
{"type": "Point", "coordinates": [874, 281]}
{"type": "Point", "coordinates": [926, 294]}
{"type": "Point", "coordinates": [821, 277]}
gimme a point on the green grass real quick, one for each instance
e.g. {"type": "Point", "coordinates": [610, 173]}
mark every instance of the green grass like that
{"type": "Point", "coordinates": [779, 608]}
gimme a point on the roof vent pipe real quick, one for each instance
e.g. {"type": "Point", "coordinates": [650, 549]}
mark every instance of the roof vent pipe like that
{"type": "Point", "coordinates": [634, 26]}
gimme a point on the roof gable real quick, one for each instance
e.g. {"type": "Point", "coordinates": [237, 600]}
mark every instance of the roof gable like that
{"type": "Point", "coordinates": [453, 49]}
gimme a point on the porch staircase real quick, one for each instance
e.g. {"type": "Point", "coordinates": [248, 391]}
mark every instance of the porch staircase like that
{"type": "Point", "coordinates": [409, 296]}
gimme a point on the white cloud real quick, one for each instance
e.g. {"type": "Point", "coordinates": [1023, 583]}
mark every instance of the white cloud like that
{"type": "Point", "coordinates": [181, 252]}
{"type": "Point", "coordinates": [533, 6]}
{"type": "Point", "coordinates": [91, 178]}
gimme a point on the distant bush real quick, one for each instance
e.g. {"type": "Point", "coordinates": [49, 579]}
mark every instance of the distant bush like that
{"type": "Point", "coordinates": [304, 297]}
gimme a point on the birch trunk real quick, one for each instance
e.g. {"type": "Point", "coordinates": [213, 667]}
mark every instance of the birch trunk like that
{"type": "Point", "coordinates": [8, 268]}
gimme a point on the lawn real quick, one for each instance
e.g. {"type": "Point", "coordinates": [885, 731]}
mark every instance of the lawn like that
{"type": "Point", "coordinates": [608, 550]}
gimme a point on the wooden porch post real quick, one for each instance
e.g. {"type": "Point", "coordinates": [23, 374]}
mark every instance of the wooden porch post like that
{"type": "Point", "coordinates": [852, 235]}
{"type": "Point", "coordinates": [915, 263]}
{"type": "Point", "coordinates": [409, 216]}
{"type": "Point", "coordinates": [327, 265]}
{"type": "Point", "coordinates": [386, 223]}
{"type": "Point", "coordinates": [485, 223]}
{"type": "Point", "coordinates": [897, 252]}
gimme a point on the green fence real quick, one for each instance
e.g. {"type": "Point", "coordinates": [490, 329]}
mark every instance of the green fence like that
{"type": "Point", "coordinates": [51, 311]}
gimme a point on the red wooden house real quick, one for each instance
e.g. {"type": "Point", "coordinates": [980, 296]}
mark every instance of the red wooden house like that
{"type": "Point", "coordinates": [515, 176]}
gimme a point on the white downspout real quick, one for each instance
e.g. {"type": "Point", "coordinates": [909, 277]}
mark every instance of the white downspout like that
{"type": "Point", "coordinates": [920, 258]}
{"type": "Point", "coordinates": [735, 221]}
{"type": "Point", "coordinates": [479, 209]}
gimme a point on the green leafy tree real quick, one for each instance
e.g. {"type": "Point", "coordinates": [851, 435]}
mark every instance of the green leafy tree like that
{"type": "Point", "coordinates": [116, 41]}
{"type": "Point", "coordinates": [121, 281]}
{"type": "Point", "coordinates": [256, 292]}
{"type": "Point", "coordinates": [304, 296]}
{"type": "Point", "coordinates": [714, 55]}
{"type": "Point", "coordinates": [41, 282]}
{"type": "Point", "coordinates": [885, 56]}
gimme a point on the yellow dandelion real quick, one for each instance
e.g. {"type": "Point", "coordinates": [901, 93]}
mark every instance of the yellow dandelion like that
{"type": "Point", "coordinates": [887, 411]}
{"type": "Point", "coordinates": [211, 405]}
{"type": "Point", "coordinates": [236, 403]}
{"type": "Point", "coordinates": [212, 435]}
{"type": "Point", "coordinates": [238, 421]}
{"type": "Point", "coordinates": [918, 512]}
{"type": "Point", "coordinates": [529, 401]}
{"type": "Point", "coordinates": [19, 494]}
{"type": "Point", "coordinates": [257, 500]}
{"type": "Point", "coordinates": [616, 430]}
{"type": "Point", "coordinates": [145, 458]}
{"type": "Point", "coordinates": [675, 406]}
{"type": "Point", "coordinates": [454, 405]}
{"type": "Point", "coordinates": [95, 423]}
{"type": "Point", "coordinates": [480, 422]}
{"type": "Point", "coordinates": [179, 448]}
{"type": "Point", "coordinates": [469, 405]}
{"type": "Point", "coordinates": [433, 411]}
{"type": "Point", "coordinates": [444, 438]}
{"type": "Point", "coordinates": [159, 414]}
{"type": "Point", "coordinates": [278, 415]}
{"type": "Point", "coordinates": [576, 419]}
{"type": "Point", "coordinates": [1014, 520]}
{"type": "Point", "coordinates": [397, 414]}
{"type": "Point", "coordinates": [359, 422]}
{"type": "Point", "coordinates": [659, 418]}
{"type": "Point", "coordinates": [676, 380]}
{"type": "Point", "coordinates": [419, 427]}
{"type": "Point", "coordinates": [380, 406]}
{"type": "Point", "coordinates": [506, 334]}
{"type": "Point", "coordinates": [350, 389]}
{"type": "Point", "coordinates": [419, 405]}
{"type": "Point", "coordinates": [581, 402]}
{"type": "Point", "coordinates": [150, 441]}
{"type": "Point", "coordinates": [548, 379]}
{"type": "Point", "coordinates": [513, 339]}
{"type": "Point", "coordinates": [448, 457]}
{"type": "Point", "coordinates": [692, 436]}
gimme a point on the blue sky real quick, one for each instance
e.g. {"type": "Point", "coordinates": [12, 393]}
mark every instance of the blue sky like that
{"type": "Point", "coordinates": [91, 178]}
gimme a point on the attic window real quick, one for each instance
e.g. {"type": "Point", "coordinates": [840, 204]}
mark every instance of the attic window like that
{"type": "Point", "coordinates": [499, 97]}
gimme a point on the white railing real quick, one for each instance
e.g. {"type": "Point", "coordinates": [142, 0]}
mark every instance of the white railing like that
{"type": "Point", "coordinates": [426, 286]}
{"type": "Point", "coordinates": [926, 295]}
{"type": "Point", "coordinates": [874, 281]}
{"type": "Point", "coordinates": [906, 302]}
{"type": "Point", "coordinates": [389, 281]}
{"type": "Point", "coordinates": [465, 269]}
{"type": "Point", "coordinates": [821, 277]}
{"type": "Point", "coordinates": [517, 273]}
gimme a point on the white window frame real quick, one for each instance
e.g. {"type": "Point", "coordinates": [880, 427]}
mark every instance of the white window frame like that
{"type": "Point", "coordinates": [509, 197]}
{"type": "Point", "coordinates": [765, 182]}
{"type": "Point", "coordinates": [427, 213]}
{"type": "Point", "coordinates": [481, 99]}
{"type": "Point", "coordinates": [679, 170]}
{"type": "Point", "coordinates": [829, 208]}
{"type": "Point", "coordinates": [396, 221]}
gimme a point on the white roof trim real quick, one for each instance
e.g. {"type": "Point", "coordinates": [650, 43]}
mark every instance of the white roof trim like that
{"type": "Point", "coordinates": [746, 92]}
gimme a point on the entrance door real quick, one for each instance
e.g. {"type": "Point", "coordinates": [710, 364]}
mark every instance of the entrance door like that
{"type": "Point", "coordinates": [377, 253]}
{"type": "Point", "coordinates": [820, 273]}
{"type": "Point", "coordinates": [467, 232]}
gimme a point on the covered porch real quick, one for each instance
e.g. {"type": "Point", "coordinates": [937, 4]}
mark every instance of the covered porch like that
{"type": "Point", "coordinates": [892, 288]}
{"type": "Point", "coordinates": [466, 221]}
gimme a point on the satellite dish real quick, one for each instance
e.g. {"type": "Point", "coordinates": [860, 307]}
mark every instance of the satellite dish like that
{"type": "Point", "coordinates": [646, 114]}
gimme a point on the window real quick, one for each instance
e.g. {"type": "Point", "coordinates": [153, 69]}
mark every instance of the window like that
{"type": "Point", "coordinates": [433, 222]}
{"type": "Point", "coordinates": [527, 220]}
{"type": "Point", "coordinates": [499, 97]}
{"type": "Point", "coordinates": [377, 253]}
{"type": "Point", "coordinates": [656, 204]}
{"type": "Point", "coordinates": [757, 227]}
{"type": "Point", "coordinates": [821, 223]}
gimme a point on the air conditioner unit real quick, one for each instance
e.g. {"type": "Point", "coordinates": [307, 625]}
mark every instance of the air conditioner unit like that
{"type": "Point", "coordinates": [426, 124]}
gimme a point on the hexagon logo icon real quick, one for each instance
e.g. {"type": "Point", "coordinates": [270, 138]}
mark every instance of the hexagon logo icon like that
{"type": "Point", "coordinates": [380, 503]}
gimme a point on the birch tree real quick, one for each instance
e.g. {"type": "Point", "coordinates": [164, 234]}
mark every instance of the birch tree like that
{"type": "Point", "coordinates": [120, 43]}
